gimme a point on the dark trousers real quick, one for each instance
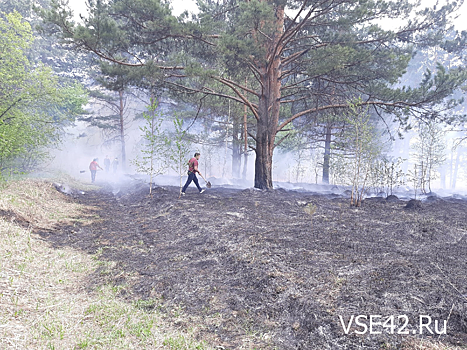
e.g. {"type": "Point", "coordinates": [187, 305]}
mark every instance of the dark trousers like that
{"type": "Point", "coordinates": [93, 175]}
{"type": "Point", "coordinates": [191, 177]}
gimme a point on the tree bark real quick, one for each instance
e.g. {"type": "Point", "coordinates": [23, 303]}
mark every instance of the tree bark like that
{"type": "Point", "coordinates": [266, 128]}
{"type": "Point", "coordinates": [327, 155]}
{"type": "Point", "coordinates": [245, 146]}
{"type": "Point", "coordinates": [236, 149]}
{"type": "Point", "coordinates": [269, 105]}
{"type": "Point", "coordinates": [263, 161]}
{"type": "Point", "coordinates": [122, 129]}
{"type": "Point", "coordinates": [245, 165]}
{"type": "Point", "coordinates": [456, 169]}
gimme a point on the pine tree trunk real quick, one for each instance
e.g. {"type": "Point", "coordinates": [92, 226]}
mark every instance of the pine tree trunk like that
{"type": "Point", "coordinates": [122, 129]}
{"type": "Point", "coordinates": [245, 165]}
{"type": "Point", "coordinates": [327, 156]}
{"type": "Point", "coordinates": [456, 169]}
{"type": "Point", "coordinates": [269, 107]}
{"type": "Point", "coordinates": [266, 128]}
{"type": "Point", "coordinates": [263, 161]}
{"type": "Point", "coordinates": [443, 172]}
{"type": "Point", "coordinates": [245, 145]}
{"type": "Point", "coordinates": [236, 150]}
{"type": "Point", "coordinates": [450, 168]}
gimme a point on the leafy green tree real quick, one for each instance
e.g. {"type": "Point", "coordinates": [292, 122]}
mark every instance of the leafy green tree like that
{"type": "Point", "coordinates": [413, 176]}
{"type": "Point", "coordinates": [153, 142]}
{"type": "Point", "coordinates": [33, 105]}
{"type": "Point", "coordinates": [177, 149]}
{"type": "Point", "coordinates": [45, 49]}
{"type": "Point", "coordinates": [429, 152]}
{"type": "Point", "coordinates": [326, 52]}
{"type": "Point", "coordinates": [359, 149]}
{"type": "Point", "coordinates": [387, 175]}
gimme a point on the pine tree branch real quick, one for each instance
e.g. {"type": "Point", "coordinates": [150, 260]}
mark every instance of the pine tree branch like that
{"type": "Point", "coordinates": [398, 104]}
{"type": "Point", "coordinates": [207, 91]}
{"type": "Point", "coordinates": [244, 88]}
{"type": "Point", "coordinates": [250, 105]}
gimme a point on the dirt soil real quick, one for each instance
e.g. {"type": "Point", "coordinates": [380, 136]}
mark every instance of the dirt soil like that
{"type": "Point", "coordinates": [281, 268]}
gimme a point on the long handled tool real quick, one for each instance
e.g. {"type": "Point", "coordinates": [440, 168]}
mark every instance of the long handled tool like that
{"type": "Point", "coordinates": [83, 171]}
{"type": "Point", "coordinates": [208, 184]}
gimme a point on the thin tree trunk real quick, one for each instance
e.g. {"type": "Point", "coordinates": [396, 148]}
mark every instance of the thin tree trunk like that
{"type": "Point", "coordinates": [245, 140]}
{"type": "Point", "coordinates": [236, 149]}
{"type": "Point", "coordinates": [299, 164]}
{"type": "Point", "coordinates": [122, 129]}
{"type": "Point", "coordinates": [327, 155]}
{"type": "Point", "coordinates": [357, 169]}
{"type": "Point", "coordinates": [151, 175]}
{"type": "Point", "coordinates": [443, 176]}
{"type": "Point", "coordinates": [450, 169]}
{"type": "Point", "coordinates": [456, 168]}
{"type": "Point", "coordinates": [423, 177]}
{"type": "Point", "coordinates": [245, 165]}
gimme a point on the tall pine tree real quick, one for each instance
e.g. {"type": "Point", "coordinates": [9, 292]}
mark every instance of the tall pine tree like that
{"type": "Point", "coordinates": [324, 52]}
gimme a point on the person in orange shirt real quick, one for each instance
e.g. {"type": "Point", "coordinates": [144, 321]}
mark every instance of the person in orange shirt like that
{"type": "Point", "coordinates": [93, 167]}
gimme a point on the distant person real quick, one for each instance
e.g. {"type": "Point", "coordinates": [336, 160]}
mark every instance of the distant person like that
{"type": "Point", "coordinates": [192, 170]}
{"type": "Point", "coordinates": [107, 164]}
{"type": "Point", "coordinates": [93, 167]}
{"type": "Point", "coordinates": [115, 164]}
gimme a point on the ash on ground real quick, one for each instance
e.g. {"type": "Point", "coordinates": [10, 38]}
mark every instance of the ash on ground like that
{"type": "Point", "coordinates": [282, 269]}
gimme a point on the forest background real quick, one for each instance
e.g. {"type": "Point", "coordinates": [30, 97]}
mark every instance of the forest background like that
{"type": "Point", "coordinates": [327, 96]}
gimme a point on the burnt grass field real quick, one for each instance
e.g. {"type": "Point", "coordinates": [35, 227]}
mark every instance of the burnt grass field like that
{"type": "Point", "coordinates": [275, 269]}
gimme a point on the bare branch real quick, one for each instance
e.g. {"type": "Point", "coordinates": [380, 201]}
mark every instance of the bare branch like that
{"type": "Point", "coordinates": [239, 86]}
{"type": "Point", "coordinates": [239, 94]}
{"type": "Point", "coordinates": [254, 138]}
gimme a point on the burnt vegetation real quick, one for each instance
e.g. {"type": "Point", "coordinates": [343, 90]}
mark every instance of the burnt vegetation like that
{"type": "Point", "coordinates": [252, 265]}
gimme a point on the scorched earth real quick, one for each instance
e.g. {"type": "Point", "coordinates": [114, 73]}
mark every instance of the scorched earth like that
{"type": "Point", "coordinates": [283, 269]}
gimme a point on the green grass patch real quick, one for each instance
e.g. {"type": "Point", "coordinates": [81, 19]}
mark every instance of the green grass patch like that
{"type": "Point", "coordinates": [44, 296]}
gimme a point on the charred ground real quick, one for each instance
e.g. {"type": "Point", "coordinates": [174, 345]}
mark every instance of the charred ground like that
{"type": "Point", "coordinates": [275, 269]}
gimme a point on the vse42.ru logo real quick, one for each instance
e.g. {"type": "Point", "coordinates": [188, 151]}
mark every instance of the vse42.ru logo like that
{"type": "Point", "coordinates": [376, 324]}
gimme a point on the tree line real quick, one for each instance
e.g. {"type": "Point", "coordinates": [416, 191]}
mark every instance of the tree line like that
{"type": "Point", "coordinates": [277, 70]}
{"type": "Point", "coordinates": [35, 102]}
